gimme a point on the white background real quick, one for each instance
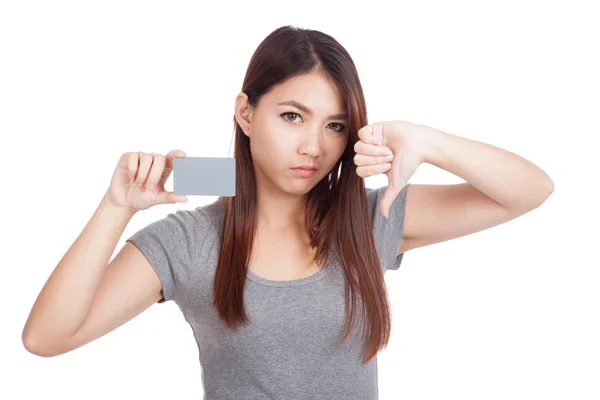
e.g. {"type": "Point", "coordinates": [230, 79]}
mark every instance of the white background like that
{"type": "Point", "coordinates": [510, 312]}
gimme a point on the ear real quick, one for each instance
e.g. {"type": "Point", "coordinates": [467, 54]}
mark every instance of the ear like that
{"type": "Point", "coordinates": [243, 112]}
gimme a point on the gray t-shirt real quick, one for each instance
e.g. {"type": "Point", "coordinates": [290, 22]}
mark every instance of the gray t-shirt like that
{"type": "Point", "coordinates": [289, 350]}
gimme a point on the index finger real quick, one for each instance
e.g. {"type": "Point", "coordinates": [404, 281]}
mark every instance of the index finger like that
{"type": "Point", "coordinates": [169, 162]}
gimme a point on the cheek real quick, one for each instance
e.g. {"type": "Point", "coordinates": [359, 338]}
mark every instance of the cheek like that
{"type": "Point", "coordinates": [268, 143]}
{"type": "Point", "coordinates": [338, 147]}
{"type": "Point", "coordinates": [279, 137]}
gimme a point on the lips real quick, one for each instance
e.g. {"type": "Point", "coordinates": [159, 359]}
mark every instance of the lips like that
{"type": "Point", "coordinates": [304, 171]}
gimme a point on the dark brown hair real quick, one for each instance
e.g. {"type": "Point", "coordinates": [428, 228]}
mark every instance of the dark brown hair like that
{"type": "Point", "coordinates": [336, 208]}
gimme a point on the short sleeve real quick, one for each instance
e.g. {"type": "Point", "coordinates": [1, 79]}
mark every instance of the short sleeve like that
{"type": "Point", "coordinates": [169, 244]}
{"type": "Point", "coordinates": [388, 232]}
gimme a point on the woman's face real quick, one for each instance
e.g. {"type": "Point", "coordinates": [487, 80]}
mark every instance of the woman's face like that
{"type": "Point", "coordinates": [299, 122]}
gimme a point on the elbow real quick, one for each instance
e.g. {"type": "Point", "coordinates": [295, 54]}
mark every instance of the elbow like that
{"type": "Point", "coordinates": [534, 198]}
{"type": "Point", "coordinates": [548, 187]}
{"type": "Point", "coordinates": [546, 191]}
{"type": "Point", "coordinates": [33, 347]}
{"type": "Point", "coordinates": [543, 191]}
{"type": "Point", "coordinates": [37, 347]}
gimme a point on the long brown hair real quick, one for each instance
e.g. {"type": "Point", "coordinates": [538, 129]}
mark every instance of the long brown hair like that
{"type": "Point", "coordinates": [336, 208]}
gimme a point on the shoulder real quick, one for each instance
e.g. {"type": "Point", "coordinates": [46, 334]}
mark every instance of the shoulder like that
{"type": "Point", "coordinates": [388, 232]}
{"type": "Point", "coordinates": [398, 207]}
{"type": "Point", "coordinates": [211, 215]}
{"type": "Point", "coordinates": [179, 230]}
{"type": "Point", "coordinates": [175, 243]}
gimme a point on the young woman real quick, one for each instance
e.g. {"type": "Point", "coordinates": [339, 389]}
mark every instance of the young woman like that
{"type": "Point", "coordinates": [282, 284]}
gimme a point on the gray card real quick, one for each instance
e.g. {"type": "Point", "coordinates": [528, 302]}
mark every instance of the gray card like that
{"type": "Point", "coordinates": [204, 176]}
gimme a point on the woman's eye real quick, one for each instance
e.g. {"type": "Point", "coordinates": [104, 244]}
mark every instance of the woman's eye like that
{"type": "Point", "coordinates": [293, 114]}
{"type": "Point", "coordinates": [340, 127]}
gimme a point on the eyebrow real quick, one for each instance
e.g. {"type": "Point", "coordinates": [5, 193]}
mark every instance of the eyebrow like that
{"type": "Point", "coordinates": [307, 110]}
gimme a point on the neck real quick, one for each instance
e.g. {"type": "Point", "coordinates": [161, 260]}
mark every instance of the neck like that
{"type": "Point", "coordinates": [280, 211]}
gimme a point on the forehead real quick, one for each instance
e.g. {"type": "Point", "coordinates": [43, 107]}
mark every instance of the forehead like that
{"type": "Point", "coordinates": [313, 90]}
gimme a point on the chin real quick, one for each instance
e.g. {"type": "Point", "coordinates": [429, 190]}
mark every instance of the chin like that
{"type": "Point", "coordinates": [300, 186]}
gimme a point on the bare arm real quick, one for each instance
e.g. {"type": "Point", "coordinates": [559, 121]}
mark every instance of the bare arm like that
{"type": "Point", "coordinates": [500, 186]}
{"type": "Point", "coordinates": [85, 297]}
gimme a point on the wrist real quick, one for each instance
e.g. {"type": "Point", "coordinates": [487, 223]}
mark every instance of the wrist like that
{"type": "Point", "coordinates": [433, 145]}
{"type": "Point", "coordinates": [107, 203]}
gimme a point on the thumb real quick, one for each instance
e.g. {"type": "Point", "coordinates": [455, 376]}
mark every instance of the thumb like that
{"type": "Point", "coordinates": [395, 185]}
{"type": "Point", "coordinates": [390, 194]}
{"type": "Point", "coordinates": [165, 197]}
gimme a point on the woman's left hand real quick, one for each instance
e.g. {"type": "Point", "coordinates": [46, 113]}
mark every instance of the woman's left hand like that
{"type": "Point", "coordinates": [404, 141]}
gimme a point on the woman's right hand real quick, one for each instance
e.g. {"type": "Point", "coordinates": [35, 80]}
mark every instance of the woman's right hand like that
{"type": "Point", "coordinates": [139, 180]}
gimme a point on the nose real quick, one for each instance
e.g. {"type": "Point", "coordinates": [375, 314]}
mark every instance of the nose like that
{"type": "Point", "coordinates": [310, 144]}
